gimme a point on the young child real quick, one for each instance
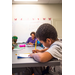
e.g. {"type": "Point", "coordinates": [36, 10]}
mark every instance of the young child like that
{"type": "Point", "coordinates": [31, 40]}
{"type": "Point", "coordinates": [47, 35]}
{"type": "Point", "coordinates": [14, 40]}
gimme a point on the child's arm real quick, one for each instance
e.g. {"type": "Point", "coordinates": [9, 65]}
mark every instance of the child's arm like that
{"type": "Point", "coordinates": [43, 50]}
{"type": "Point", "coordinates": [41, 57]}
{"type": "Point", "coordinates": [36, 50]}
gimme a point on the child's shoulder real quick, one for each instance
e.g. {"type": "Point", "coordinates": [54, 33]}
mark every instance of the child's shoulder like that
{"type": "Point", "coordinates": [57, 44]}
{"type": "Point", "coordinates": [29, 37]}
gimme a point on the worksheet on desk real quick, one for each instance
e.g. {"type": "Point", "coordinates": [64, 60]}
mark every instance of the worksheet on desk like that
{"type": "Point", "coordinates": [29, 45]}
{"type": "Point", "coordinates": [23, 55]}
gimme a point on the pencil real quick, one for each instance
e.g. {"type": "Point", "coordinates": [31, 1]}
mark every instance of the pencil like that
{"type": "Point", "coordinates": [35, 44]}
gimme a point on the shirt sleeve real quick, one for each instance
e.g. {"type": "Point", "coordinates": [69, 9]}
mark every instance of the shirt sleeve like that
{"type": "Point", "coordinates": [56, 52]}
{"type": "Point", "coordinates": [38, 43]}
{"type": "Point", "coordinates": [28, 40]}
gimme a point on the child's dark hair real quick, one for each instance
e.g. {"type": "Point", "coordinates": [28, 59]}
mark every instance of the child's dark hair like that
{"type": "Point", "coordinates": [32, 33]}
{"type": "Point", "coordinates": [46, 31]}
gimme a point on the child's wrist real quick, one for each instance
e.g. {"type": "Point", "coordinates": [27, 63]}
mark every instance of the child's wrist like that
{"type": "Point", "coordinates": [40, 50]}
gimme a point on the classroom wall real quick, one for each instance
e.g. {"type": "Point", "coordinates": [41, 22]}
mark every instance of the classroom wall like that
{"type": "Point", "coordinates": [53, 11]}
{"type": "Point", "coordinates": [26, 10]}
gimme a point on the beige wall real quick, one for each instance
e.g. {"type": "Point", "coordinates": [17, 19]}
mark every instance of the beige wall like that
{"type": "Point", "coordinates": [35, 11]}
{"type": "Point", "coordinates": [40, 11]}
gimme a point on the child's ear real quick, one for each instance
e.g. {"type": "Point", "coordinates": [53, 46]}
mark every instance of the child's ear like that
{"type": "Point", "coordinates": [49, 40]}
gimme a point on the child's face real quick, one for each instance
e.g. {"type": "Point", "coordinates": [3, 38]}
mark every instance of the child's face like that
{"type": "Point", "coordinates": [33, 36]}
{"type": "Point", "coordinates": [47, 43]}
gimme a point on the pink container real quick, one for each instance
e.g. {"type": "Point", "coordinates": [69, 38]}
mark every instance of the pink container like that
{"type": "Point", "coordinates": [22, 45]}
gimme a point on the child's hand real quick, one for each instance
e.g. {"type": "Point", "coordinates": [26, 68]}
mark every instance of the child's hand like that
{"type": "Point", "coordinates": [30, 43]}
{"type": "Point", "coordinates": [35, 51]}
{"type": "Point", "coordinates": [31, 55]}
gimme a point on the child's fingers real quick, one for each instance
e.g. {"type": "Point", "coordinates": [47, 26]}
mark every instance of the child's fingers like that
{"type": "Point", "coordinates": [29, 42]}
{"type": "Point", "coordinates": [33, 51]}
{"type": "Point", "coordinates": [30, 55]}
{"type": "Point", "coordinates": [37, 51]}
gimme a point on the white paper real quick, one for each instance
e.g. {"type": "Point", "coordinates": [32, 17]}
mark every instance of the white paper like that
{"type": "Point", "coordinates": [23, 55]}
{"type": "Point", "coordinates": [29, 45]}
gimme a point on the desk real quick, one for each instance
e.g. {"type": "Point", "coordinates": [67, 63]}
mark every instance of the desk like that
{"type": "Point", "coordinates": [29, 62]}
